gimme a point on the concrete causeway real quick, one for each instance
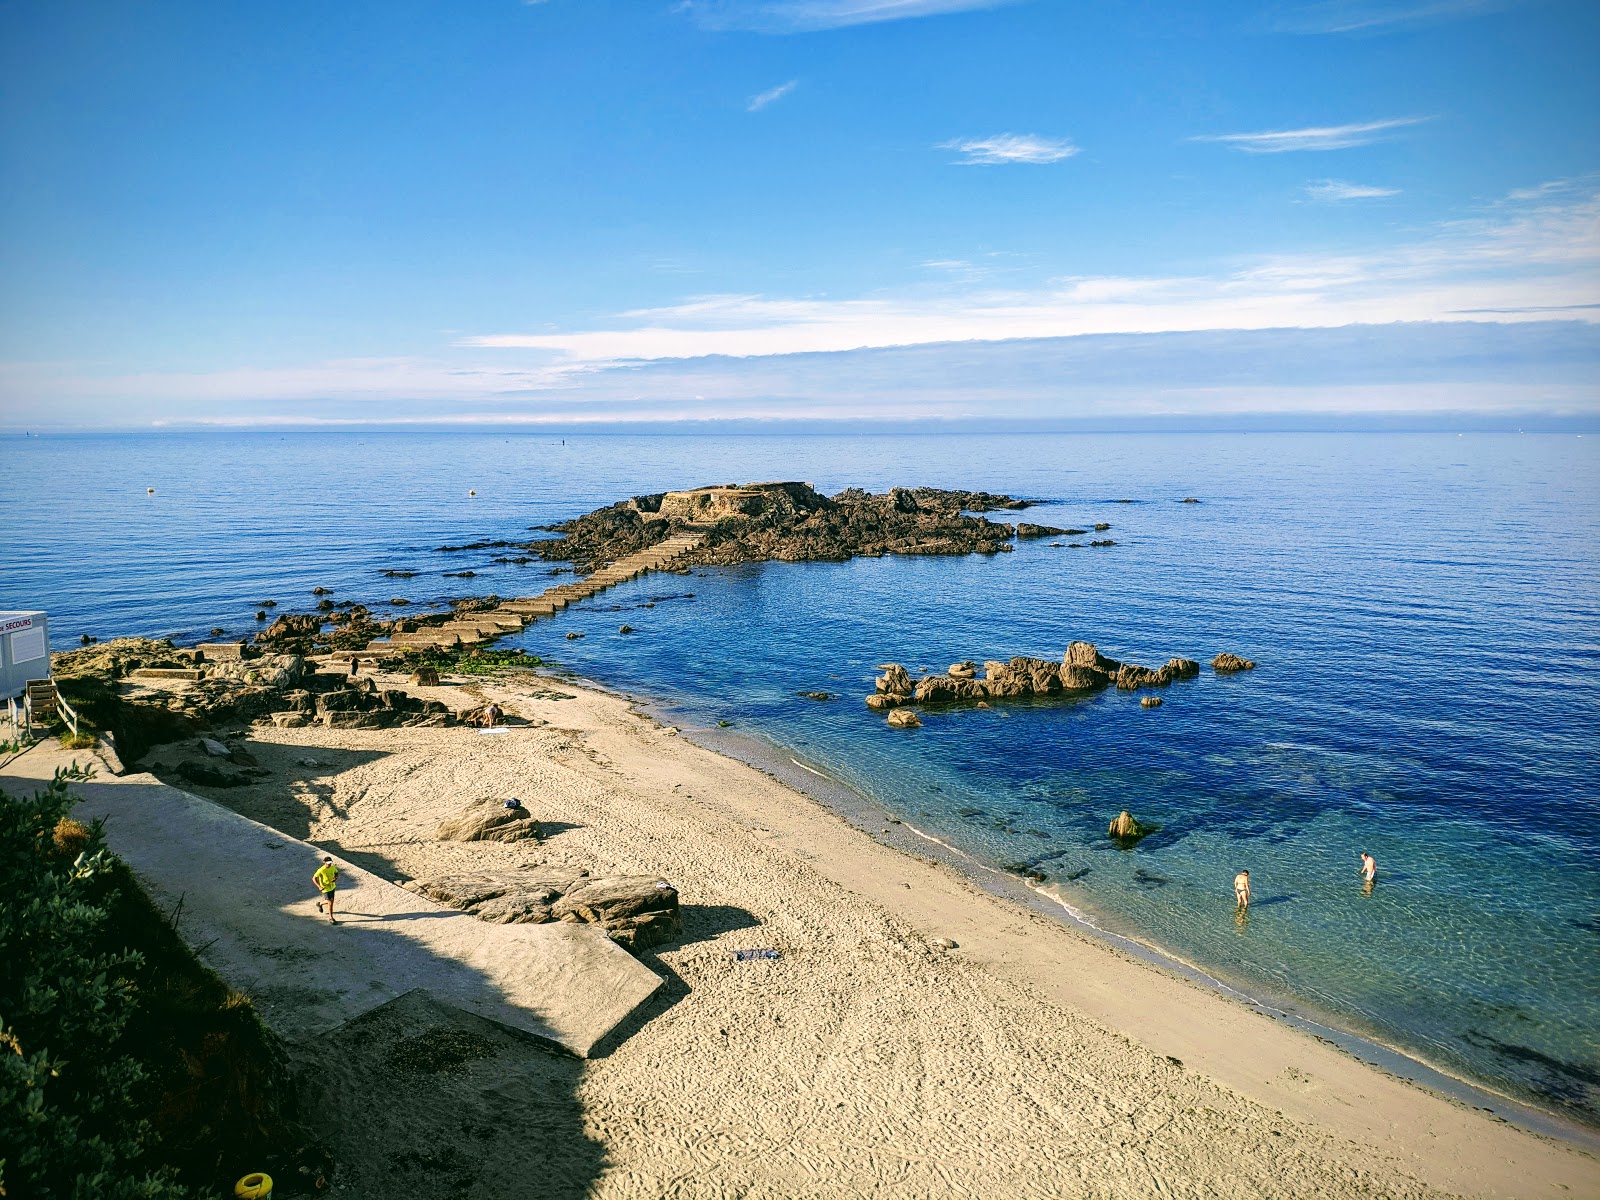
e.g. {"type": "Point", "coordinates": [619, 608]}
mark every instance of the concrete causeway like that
{"type": "Point", "coordinates": [512, 615]}
{"type": "Point", "coordinates": [249, 911]}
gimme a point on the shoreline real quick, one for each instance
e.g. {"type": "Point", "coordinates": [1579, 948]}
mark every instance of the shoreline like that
{"type": "Point", "coordinates": [845, 802]}
{"type": "Point", "coordinates": [917, 1030]}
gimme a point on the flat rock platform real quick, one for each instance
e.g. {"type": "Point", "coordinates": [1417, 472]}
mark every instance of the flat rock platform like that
{"type": "Point", "coordinates": [249, 909]}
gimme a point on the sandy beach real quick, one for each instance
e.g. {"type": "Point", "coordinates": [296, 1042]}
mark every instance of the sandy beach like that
{"type": "Point", "coordinates": [870, 1058]}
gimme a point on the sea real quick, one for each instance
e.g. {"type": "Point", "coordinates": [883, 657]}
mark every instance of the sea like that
{"type": "Point", "coordinates": [1424, 610]}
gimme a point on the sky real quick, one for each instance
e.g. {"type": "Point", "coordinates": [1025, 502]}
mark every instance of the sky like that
{"type": "Point", "coordinates": [580, 212]}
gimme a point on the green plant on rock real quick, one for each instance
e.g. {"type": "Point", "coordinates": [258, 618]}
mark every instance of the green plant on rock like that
{"type": "Point", "coordinates": [70, 1099]}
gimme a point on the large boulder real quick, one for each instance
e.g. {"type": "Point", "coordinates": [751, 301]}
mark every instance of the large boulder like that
{"type": "Point", "coordinates": [1085, 654]}
{"type": "Point", "coordinates": [502, 897]}
{"type": "Point", "coordinates": [895, 680]}
{"type": "Point", "coordinates": [489, 820]}
{"type": "Point", "coordinates": [944, 689]}
{"type": "Point", "coordinates": [1226, 664]}
{"type": "Point", "coordinates": [904, 718]}
{"type": "Point", "coordinates": [963, 670]}
{"type": "Point", "coordinates": [638, 911]}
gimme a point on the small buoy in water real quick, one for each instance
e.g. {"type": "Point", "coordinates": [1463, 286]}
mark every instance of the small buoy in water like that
{"type": "Point", "coordinates": [149, 491]}
{"type": "Point", "coordinates": [472, 492]}
{"type": "Point", "coordinates": [254, 1186]}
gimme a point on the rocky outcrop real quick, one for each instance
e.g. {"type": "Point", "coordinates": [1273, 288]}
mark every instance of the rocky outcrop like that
{"type": "Point", "coordinates": [637, 911]}
{"type": "Point", "coordinates": [1082, 669]}
{"type": "Point", "coordinates": [904, 718]}
{"type": "Point", "coordinates": [522, 897]}
{"type": "Point", "coordinates": [1125, 829]}
{"type": "Point", "coordinates": [489, 820]}
{"type": "Point", "coordinates": [291, 627]}
{"type": "Point", "coordinates": [1227, 664]}
{"type": "Point", "coordinates": [1026, 529]}
{"type": "Point", "coordinates": [787, 522]}
{"type": "Point", "coordinates": [895, 680]}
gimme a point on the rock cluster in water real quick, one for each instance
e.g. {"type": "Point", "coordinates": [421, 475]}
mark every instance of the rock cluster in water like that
{"type": "Point", "coordinates": [789, 522]}
{"type": "Point", "coordinates": [1083, 669]}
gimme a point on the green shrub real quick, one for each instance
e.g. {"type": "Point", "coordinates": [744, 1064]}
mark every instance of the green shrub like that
{"type": "Point", "coordinates": [70, 1098]}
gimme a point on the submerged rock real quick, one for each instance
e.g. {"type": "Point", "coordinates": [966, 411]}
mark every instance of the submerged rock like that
{"type": "Point", "coordinates": [1125, 829]}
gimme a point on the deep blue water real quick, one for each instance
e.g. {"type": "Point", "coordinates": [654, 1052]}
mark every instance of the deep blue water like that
{"type": "Point", "coordinates": [1425, 610]}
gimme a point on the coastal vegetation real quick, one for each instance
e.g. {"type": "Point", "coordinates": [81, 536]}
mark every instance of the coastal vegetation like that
{"type": "Point", "coordinates": [127, 1069]}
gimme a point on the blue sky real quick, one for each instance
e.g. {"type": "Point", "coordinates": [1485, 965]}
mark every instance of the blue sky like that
{"type": "Point", "coordinates": [594, 210]}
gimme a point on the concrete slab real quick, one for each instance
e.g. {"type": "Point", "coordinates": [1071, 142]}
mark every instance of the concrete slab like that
{"type": "Point", "coordinates": [249, 910]}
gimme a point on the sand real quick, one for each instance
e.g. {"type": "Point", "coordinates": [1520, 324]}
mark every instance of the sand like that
{"type": "Point", "coordinates": [868, 1060]}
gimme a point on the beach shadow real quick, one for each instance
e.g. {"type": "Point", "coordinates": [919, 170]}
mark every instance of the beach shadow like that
{"type": "Point", "coordinates": [702, 922]}
{"type": "Point", "coordinates": [550, 829]}
{"type": "Point", "coordinates": [417, 1098]}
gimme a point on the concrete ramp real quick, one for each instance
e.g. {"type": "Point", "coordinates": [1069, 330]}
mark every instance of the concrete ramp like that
{"type": "Point", "coordinates": [249, 911]}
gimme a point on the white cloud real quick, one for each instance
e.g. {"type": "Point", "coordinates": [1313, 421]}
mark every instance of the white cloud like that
{"type": "Point", "coordinates": [757, 103]}
{"type": "Point", "coordinates": [1010, 148]}
{"type": "Point", "coordinates": [1337, 189]}
{"type": "Point", "coordinates": [1362, 16]}
{"type": "Point", "coordinates": [1516, 263]}
{"type": "Point", "coordinates": [805, 16]}
{"type": "Point", "coordinates": [1326, 137]}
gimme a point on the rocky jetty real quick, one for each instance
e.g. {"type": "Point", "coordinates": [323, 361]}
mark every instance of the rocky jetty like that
{"type": "Point", "coordinates": [787, 522]}
{"type": "Point", "coordinates": [637, 911]}
{"type": "Point", "coordinates": [1082, 669]}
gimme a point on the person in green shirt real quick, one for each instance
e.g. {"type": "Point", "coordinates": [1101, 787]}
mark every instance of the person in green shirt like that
{"type": "Point", "coordinates": [326, 879]}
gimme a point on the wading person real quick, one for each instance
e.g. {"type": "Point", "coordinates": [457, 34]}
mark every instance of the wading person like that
{"type": "Point", "coordinates": [327, 880]}
{"type": "Point", "coordinates": [1241, 890]}
{"type": "Point", "coordinates": [1369, 867]}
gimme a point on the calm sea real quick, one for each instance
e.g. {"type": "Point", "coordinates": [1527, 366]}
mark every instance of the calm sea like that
{"type": "Point", "coordinates": [1425, 610]}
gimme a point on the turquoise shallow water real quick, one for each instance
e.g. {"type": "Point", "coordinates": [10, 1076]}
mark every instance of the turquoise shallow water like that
{"type": "Point", "coordinates": [1425, 610]}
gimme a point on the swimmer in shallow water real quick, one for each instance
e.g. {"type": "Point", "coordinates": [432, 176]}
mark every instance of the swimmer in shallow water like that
{"type": "Point", "coordinates": [1241, 889]}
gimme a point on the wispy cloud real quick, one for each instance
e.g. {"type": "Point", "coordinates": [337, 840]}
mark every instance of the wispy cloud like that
{"type": "Point", "coordinates": [806, 16]}
{"type": "Point", "coordinates": [1334, 190]}
{"type": "Point", "coordinates": [1324, 137]}
{"type": "Point", "coordinates": [1516, 257]}
{"type": "Point", "coordinates": [757, 103]}
{"type": "Point", "coordinates": [1362, 16]}
{"type": "Point", "coordinates": [1010, 148]}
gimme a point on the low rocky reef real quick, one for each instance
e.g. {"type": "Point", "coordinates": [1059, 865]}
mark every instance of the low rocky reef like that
{"type": "Point", "coordinates": [1082, 670]}
{"type": "Point", "coordinates": [788, 522]}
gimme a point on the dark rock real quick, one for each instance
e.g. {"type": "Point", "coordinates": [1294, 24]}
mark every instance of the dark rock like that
{"type": "Point", "coordinates": [215, 775]}
{"type": "Point", "coordinates": [1190, 500]}
{"type": "Point", "coordinates": [573, 635]}
{"type": "Point", "coordinates": [321, 591]}
{"type": "Point", "coordinates": [638, 911]}
{"type": "Point", "coordinates": [217, 631]}
{"type": "Point", "coordinates": [818, 695]}
{"type": "Point", "coordinates": [1027, 530]}
{"type": "Point", "coordinates": [261, 614]}
{"type": "Point", "coordinates": [489, 820]}
{"type": "Point", "coordinates": [398, 601]}
{"type": "Point", "coordinates": [425, 677]}
{"type": "Point", "coordinates": [625, 629]}
{"type": "Point", "coordinates": [1102, 526]}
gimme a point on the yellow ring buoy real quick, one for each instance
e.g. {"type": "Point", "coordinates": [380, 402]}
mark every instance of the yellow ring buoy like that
{"type": "Point", "coordinates": [255, 1186]}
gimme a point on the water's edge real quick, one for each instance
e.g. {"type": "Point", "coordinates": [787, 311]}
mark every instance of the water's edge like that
{"type": "Point", "coordinates": [789, 768]}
